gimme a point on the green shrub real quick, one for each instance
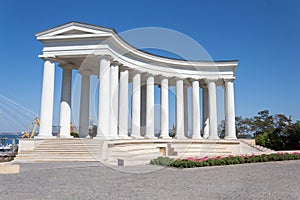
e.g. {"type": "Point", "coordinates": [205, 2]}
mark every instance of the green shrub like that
{"type": "Point", "coordinates": [164, 161]}
{"type": "Point", "coordinates": [187, 163]}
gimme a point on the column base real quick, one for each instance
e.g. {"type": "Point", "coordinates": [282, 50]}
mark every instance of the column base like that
{"type": "Point", "coordinates": [66, 136]}
{"type": "Point", "coordinates": [197, 138]}
{"type": "Point", "coordinates": [45, 137]}
{"type": "Point", "coordinates": [181, 138]}
{"type": "Point", "coordinates": [213, 138]}
{"type": "Point", "coordinates": [136, 137]}
{"type": "Point", "coordinates": [123, 137]}
{"type": "Point", "coordinates": [205, 137]}
{"type": "Point", "coordinates": [150, 137]}
{"type": "Point", "coordinates": [165, 137]}
{"type": "Point", "coordinates": [230, 138]}
{"type": "Point", "coordinates": [102, 138]}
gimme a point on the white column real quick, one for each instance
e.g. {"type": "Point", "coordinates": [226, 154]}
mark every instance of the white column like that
{"type": "Point", "coordinates": [164, 109]}
{"type": "Point", "coordinates": [65, 103]}
{"type": "Point", "coordinates": [229, 110]}
{"type": "Point", "coordinates": [104, 98]}
{"type": "Point", "coordinates": [123, 104]}
{"type": "Point", "coordinates": [136, 106]}
{"type": "Point", "coordinates": [186, 109]}
{"type": "Point", "coordinates": [150, 108]}
{"type": "Point", "coordinates": [196, 110]}
{"type": "Point", "coordinates": [213, 125]}
{"type": "Point", "coordinates": [114, 96]}
{"type": "Point", "coordinates": [84, 105]}
{"type": "Point", "coordinates": [179, 110]}
{"type": "Point", "coordinates": [143, 109]}
{"type": "Point", "coordinates": [205, 113]}
{"type": "Point", "coordinates": [47, 100]}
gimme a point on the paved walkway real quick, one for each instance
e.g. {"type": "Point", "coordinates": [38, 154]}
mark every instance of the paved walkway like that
{"type": "Point", "coordinates": [275, 180]}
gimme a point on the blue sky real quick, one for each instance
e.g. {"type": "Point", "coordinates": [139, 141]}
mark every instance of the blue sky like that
{"type": "Point", "coordinates": [262, 35]}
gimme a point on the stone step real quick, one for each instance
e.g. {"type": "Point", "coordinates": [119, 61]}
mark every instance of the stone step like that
{"type": "Point", "coordinates": [199, 155]}
{"type": "Point", "coordinates": [199, 145]}
{"type": "Point", "coordinates": [67, 149]}
{"type": "Point", "coordinates": [137, 146]}
{"type": "Point", "coordinates": [57, 160]}
{"type": "Point", "coordinates": [68, 145]}
{"type": "Point", "coordinates": [44, 153]}
{"type": "Point", "coordinates": [202, 153]}
{"type": "Point", "coordinates": [136, 151]}
{"type": "Point", "coordinates": [139, 156]}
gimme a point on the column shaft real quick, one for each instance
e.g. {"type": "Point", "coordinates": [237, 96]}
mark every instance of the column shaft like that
{"type": "Point", "coordinates": [143, 109]}
{"type": "Point", "coordinates": [213, 125]}
{"type": "Point", "coordinates": [47, 100]}
{"type": "Point", "coordinates": [196, 110]}
{"type": "Point", "coordinates": [179, 110]}
{"type": "Point", "coordinates": [104, 98]}
{"type": "Point", "coordinates": [150, 108]}
{"type": "Point", "coordinates": [205, 113]}
{"type": "Point", "coordinates": [136, 106]}
{"type": "Point", "coordinates": [164, 109]}
{"type": "Point", "coordinates": [84, 106]}
{"type": "Point", "coordinates": [123, 104]}
{"type": "Point", "coordinates": [229, 110]}
{"type": "Point", "coordinates": [65, 103]}
{"type": "Point", "coordinates": [186, 109]}
{"type": "Point", "coordinates": [114, 96]}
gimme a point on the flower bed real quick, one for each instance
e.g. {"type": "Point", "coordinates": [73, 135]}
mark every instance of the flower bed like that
{"type": "Point", "coordinates": [219, 160]}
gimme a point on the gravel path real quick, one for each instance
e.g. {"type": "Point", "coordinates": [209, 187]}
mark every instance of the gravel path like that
{"type": "Point", "coordinates": [274, 180]}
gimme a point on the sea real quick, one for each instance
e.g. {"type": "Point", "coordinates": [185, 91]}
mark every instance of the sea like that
{"type": "Point", "coordinates": [9, 138]}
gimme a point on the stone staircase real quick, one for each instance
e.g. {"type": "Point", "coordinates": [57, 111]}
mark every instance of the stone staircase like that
{"type": "Point", "coordinates": [55, 150]}
{"type": "Point", "coordinates": [128, 152]}
{"type": "Point", "coordinates": [258, 147]}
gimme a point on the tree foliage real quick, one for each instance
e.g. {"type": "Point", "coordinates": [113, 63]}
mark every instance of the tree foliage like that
{"type": "Point", "coordinates": [276, 132]}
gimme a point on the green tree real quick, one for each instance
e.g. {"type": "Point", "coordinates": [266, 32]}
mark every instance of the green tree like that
{"type": "Point", "coordinates": [262, 123]}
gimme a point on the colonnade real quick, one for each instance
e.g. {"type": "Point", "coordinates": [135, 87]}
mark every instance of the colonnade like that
{"type": "Point", "coordinates": [113, 106]}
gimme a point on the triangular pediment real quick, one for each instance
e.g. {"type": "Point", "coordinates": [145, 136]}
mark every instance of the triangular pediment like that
{"type": "Point", "coordinates": [74, 29]}
{"type": "Point", "coordinates": [74, 32]}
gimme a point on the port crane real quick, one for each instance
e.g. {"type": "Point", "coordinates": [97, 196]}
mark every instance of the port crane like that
{"type": "Point", "coordinates": [34, 124]}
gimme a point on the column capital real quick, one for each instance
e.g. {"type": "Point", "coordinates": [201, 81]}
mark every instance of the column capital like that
{"type": "Point", "coordinates": [124, 68]}
{"type": "Point", "coordinates": [177, 79]}
{"type": "Point", "coordinates": [66, 65]}
{"type": "Point", "coordinates": [48, 58]}
{"type": "Point", "coordinates": [229, 80]}
{"type": "Point", "coordinates": [161, 77]}
{"type": "Point", "coordinates": [85, 72]}
{"type": "Point", "coordinates": [209, 80]}
{"type": "Point", "coordinates": [115, 64]}
{"type": "Point", "coordinates": [106, 57]}
{"type": "Point", "coordinates": [193, 79]}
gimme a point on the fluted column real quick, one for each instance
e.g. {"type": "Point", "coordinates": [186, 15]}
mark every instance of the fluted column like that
{"type": "Point", "coordinates": [123, 104]}
{"type": "Point", "coordinates": [136, 106]}
{"type": "Point", "coordinates": [150, 108]}
{"type": "Point", "coordinates": [229, 110]}
{"type": "Point", "coordinates": [213, 125]}
{"type": "Point", "coordinates": [196, 110]}
{"type": "Point", "coordinates": [114, 96]}
{"type": "Point", "coordinates": [205, 113]}
{"type": "Point", "coordinates": [84, 104]}
{"type": "Point", "coordinates": [179, 110]}
{"type": "Point", "coordinates": [104, 106]}
{"type": "Point", "coordinates": [46, 114]}
{"type": "Point", "coordinates": [164, 109]}
{"type": "Point", "coordinates": [65, 103]}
